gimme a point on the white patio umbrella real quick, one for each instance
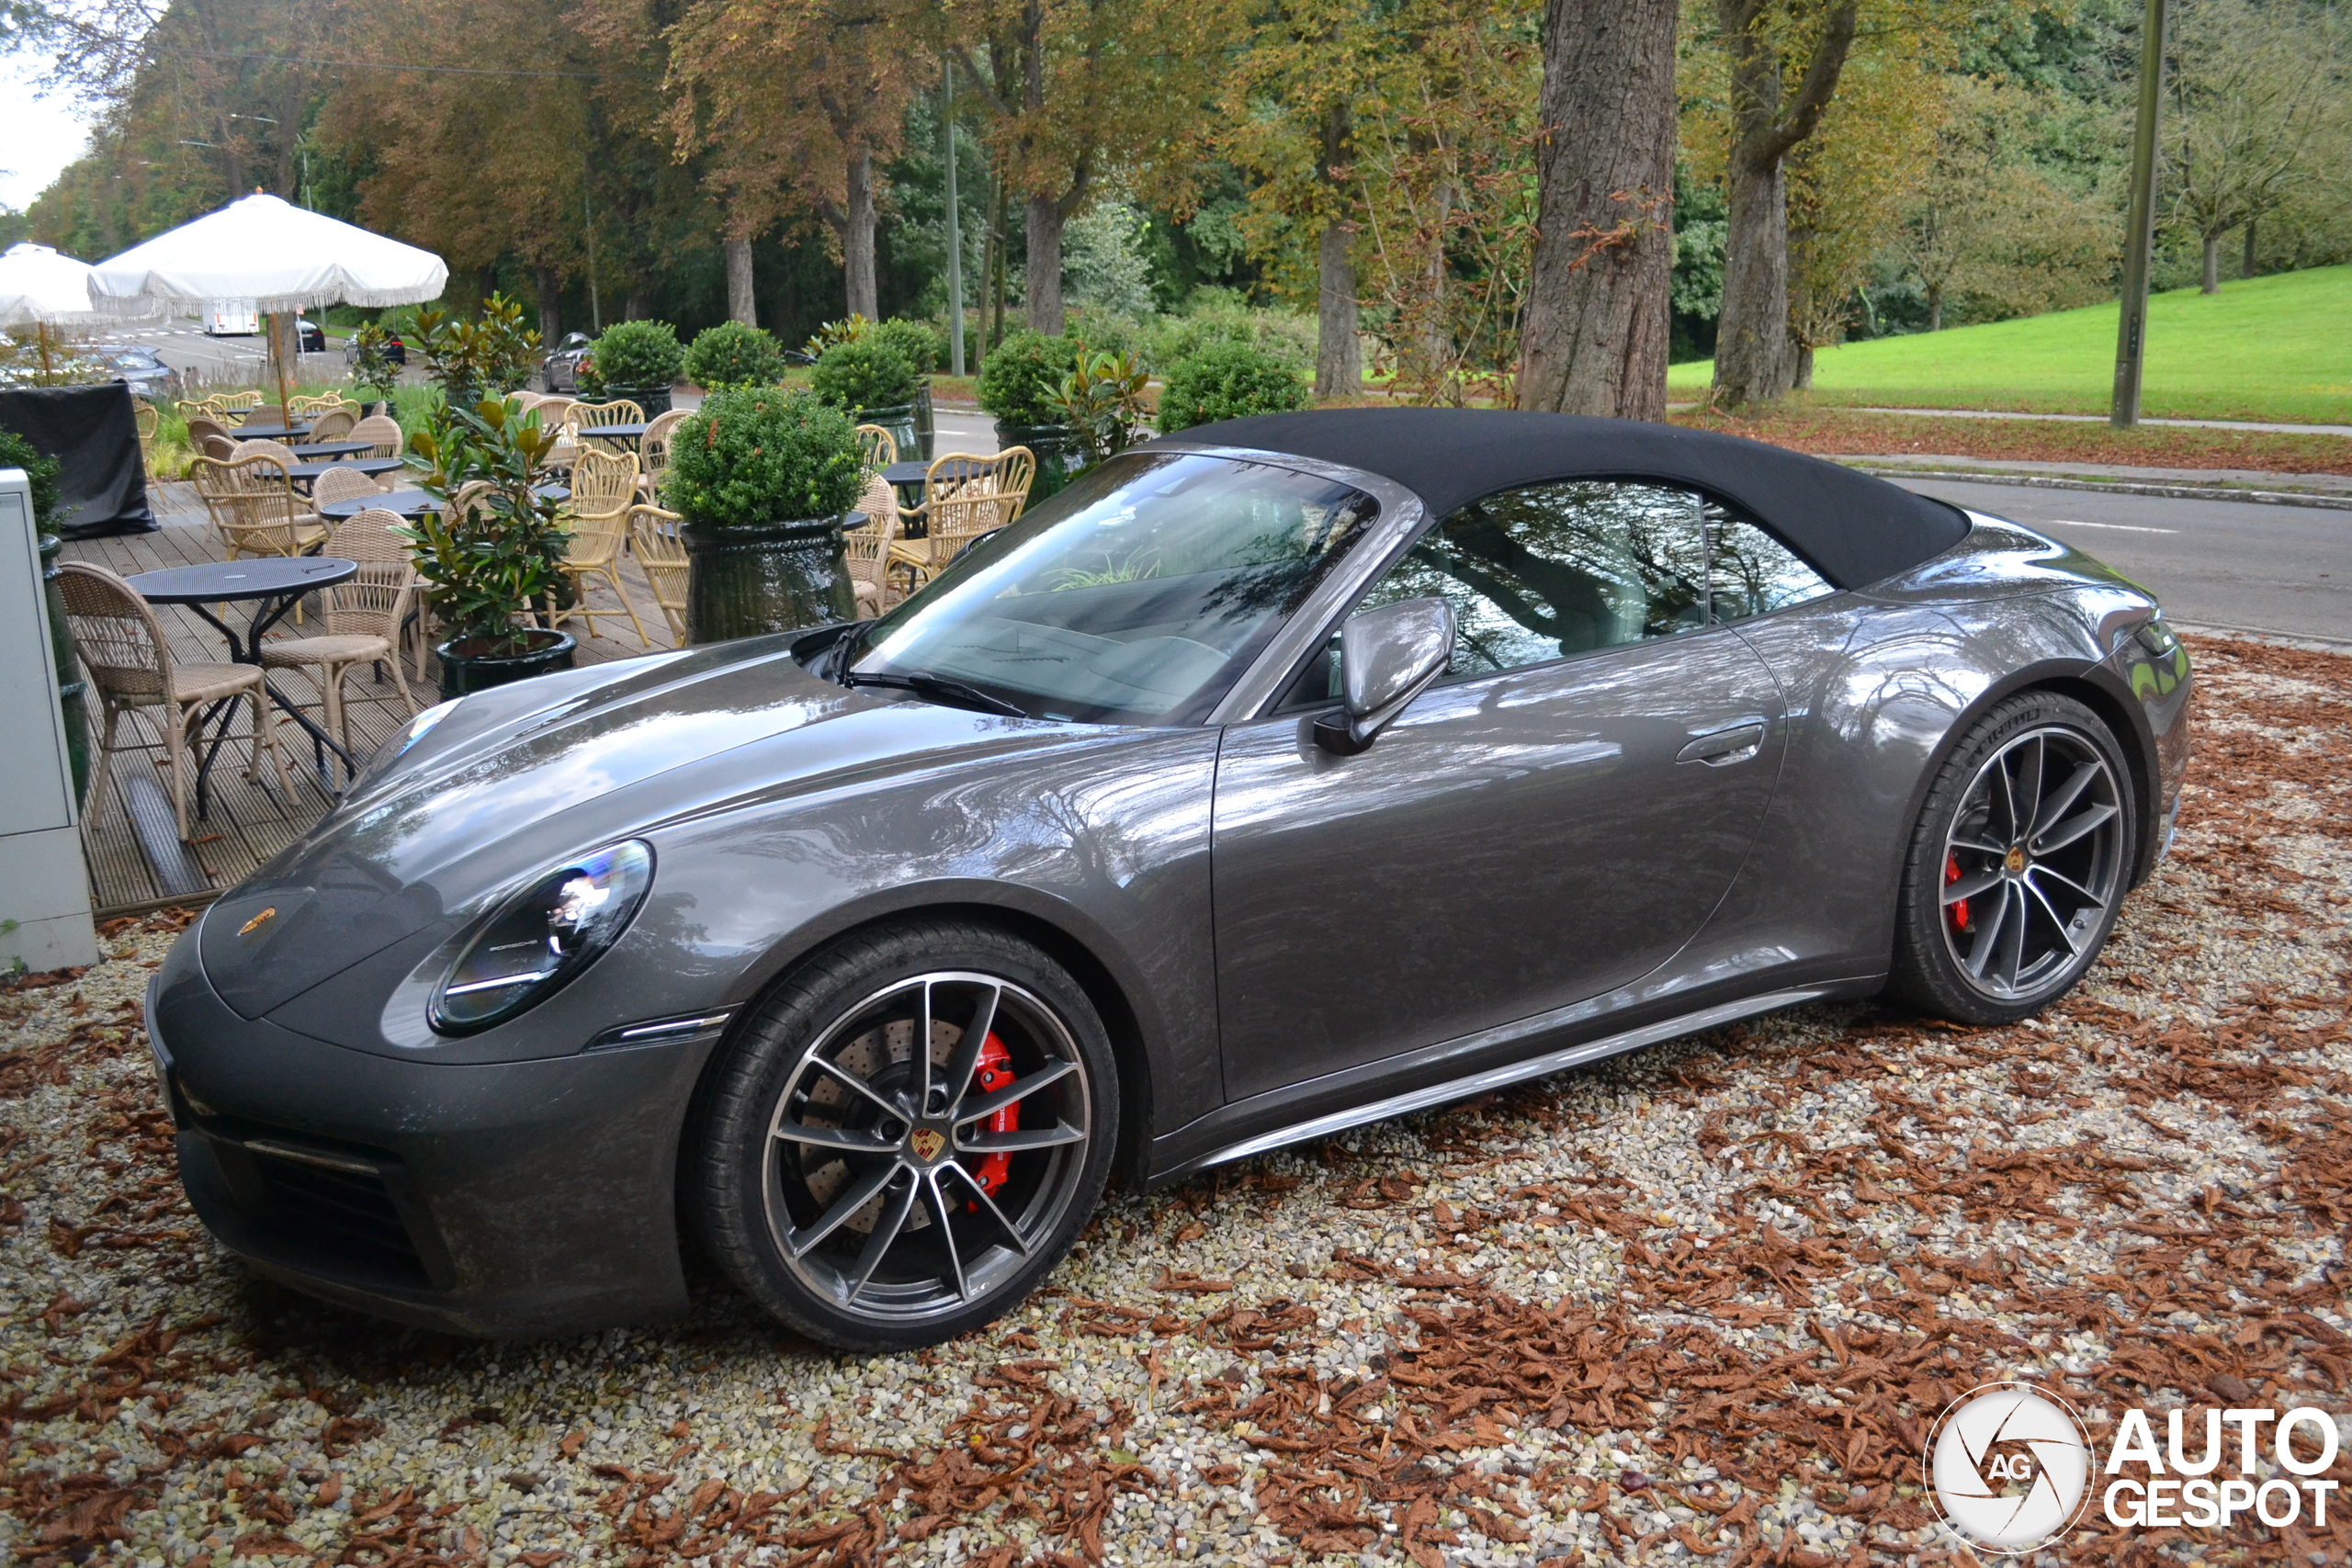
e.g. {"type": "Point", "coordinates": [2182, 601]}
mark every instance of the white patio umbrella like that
{"type": "Point", "coordinates": [279, 255]}
{"type": "Point", "coordinates": [40, 288]}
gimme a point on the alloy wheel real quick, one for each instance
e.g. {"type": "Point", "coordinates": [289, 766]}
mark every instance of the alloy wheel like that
{"type": "Point", "coordinates": [903, 1183]}
{"type": "Point", "coordinates": [2033, 863]}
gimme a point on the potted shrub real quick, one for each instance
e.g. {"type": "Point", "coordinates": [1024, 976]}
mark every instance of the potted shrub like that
{"type": "Point", "coordinates": [637, 360]}
{"type": "Point", "coordinates": [1101, 402]}
{"type": "Point", "coordinates": [733, 355]}
{"type": "Point", "coordinates": [764, 478]}
{"type": "Point", "coordinates": [485, 568]}
{"type": "Point", "coordinates": [920, 344]}
{"type": "Point", "coordinates": [865, 376]}
{"type": "Point", "coordinates": [1021, 384]}
{"type": "Point", "coordinates": [1226, 381]}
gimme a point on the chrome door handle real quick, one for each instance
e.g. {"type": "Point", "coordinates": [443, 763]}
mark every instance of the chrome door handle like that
{"type": "Point", "coordinates": [1721, 748]}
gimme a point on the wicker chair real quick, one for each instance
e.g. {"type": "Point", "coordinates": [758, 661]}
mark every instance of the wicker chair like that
{"type": "Point", "coordinates": [378, 536]}
{"type": "Point", "coordinates": [384, 431]}
{"type": "Point", "coordinates": [253, 509]}
{"type": "Point", "coordinates": [327, 403]}
{"type": "Point", "coordinates": [653, 452]}
{"type": "Point", "coordinates": [130, 665]}
{"type": "Point", "coordinates": [620, 410]}
{"type": "Point", "coordinates": [145, 415]}
{"type": "Point", "coordinates": [343, 484]}
{"type": "Point", "coordinates": [364, 617]}
{"type": "Point", "coordinates": [200, 426]}
{"type": "Point", "coordinates": [263, 446]}
{"type": "Point", "coordinates": [603, 486]}
{"type": "Point", "coordinates": [963, 497]}
{"type": "Point", "coordinates": [218, 448]}
{"type": "Point", "coordinates": [193, 408]}
{"type": "Point", "coordinates": [881, 446]}
{"type": "Point", "coordinates": [553, 407]}
{"type": "Point", "coordinates": [235, 407]}
{"type": "Point", "coordinates": [653, 537]}
{"type": "Point", "coordinates": [335, 424]}
{"type": "Point", "coordinates": [867, 549]}
{"type": "Point", "coordinates": [267, 413]}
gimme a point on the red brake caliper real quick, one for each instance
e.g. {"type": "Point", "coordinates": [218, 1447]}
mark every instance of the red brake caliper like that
{"type": "Point", "coordinates": [995, 1072]}
{"type": "Point", "coordinates": [1952, 875]}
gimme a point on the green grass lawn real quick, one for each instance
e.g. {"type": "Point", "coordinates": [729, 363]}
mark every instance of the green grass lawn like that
{"type": "Point", "coordinates": [2270, 348]}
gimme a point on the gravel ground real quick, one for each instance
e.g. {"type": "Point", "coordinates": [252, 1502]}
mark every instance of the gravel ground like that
{"type": "Point", "coordinates": [1697, 1304]}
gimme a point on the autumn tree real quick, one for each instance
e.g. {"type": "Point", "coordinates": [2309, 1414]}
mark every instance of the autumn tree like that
{"type": "Point", "coordinates": [798, 101]}
{"type": "Point", "coordinates": [1595, 338]}
{"type": "Point", "coordinates": [1077, 91]}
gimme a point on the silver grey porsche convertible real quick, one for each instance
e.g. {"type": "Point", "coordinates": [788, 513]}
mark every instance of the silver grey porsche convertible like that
{"type": "Point", "coordinates": [1300, 771]}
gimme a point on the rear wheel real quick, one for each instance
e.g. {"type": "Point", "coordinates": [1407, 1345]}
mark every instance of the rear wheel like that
{"type": "Point", "coordinates": [907, 1136]}
{"type": "Point", "coordinates": [2018, 864]}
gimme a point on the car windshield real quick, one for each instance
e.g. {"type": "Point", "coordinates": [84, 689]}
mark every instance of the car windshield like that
{"type": "Point", "coordinates": [1136, 595]}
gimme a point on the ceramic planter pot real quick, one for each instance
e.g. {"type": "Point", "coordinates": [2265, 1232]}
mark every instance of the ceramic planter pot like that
{"type": "Point", "coordinates": [652, 399]}
{"type": "Point", "coordinates": [1057, 448]}
{"type": "Point", "coordinates": [926, 422]}
{"type": "Point", "coordinates": [750, 579]}
{"type": "Point", "coordinates": [898, 419]}
{"type": "Point", "coordinates": [464, 668]}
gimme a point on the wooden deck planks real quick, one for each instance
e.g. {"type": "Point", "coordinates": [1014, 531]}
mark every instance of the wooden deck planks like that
{"type": "Point", "coordinates": [248, 822]}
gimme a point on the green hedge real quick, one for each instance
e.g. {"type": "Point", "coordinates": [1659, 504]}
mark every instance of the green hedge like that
{"type": "Point", "coordinates": [1227, 380]}
{"type": "Point", "coordinates": [1020, 381]}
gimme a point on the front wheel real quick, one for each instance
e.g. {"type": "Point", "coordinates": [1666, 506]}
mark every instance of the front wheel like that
{"type": "Point", "coordinates": [2019, 864]}
{"type": "Point", "coordinates": [907, 1136]}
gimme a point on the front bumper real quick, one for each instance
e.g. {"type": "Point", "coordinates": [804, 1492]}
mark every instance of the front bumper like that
{"type": "Point", "coordinates": [509, 1200]}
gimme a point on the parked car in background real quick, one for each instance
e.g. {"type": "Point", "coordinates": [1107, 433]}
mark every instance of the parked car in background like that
{"type": "Point", "coordinates": [309, 337]}
{"type": "Point", "coordinates": [559, 371]}
{"type": "Point", "coordinates": [394, 349]}
{"type": "Point", "coordinates": [147, 376]}
{"type": "Point", "coordinates": [230, 317]}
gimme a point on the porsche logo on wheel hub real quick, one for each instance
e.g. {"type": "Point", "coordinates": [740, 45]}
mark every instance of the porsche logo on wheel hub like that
{"type": "Point", "coordinates": [2016, 861]}
{"type": "Point", "coordinates": [926, 1144]}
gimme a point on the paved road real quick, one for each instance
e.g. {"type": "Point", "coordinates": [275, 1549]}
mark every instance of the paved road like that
{"type": "Point", "coordinates": [184, 345]}
{"type": "Point", "coordinates": [2234, 564]}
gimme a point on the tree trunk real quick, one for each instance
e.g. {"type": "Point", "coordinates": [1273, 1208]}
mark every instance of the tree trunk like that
{"type": "Point", "coordinates": [1934, 307]}
{"type": "Point", "coordinates": [741, 304]}
{"type": "Point", "coordinates": [1803, 379]}
{"type": "Point", "coordinates": [2247, 270]}
{"type": "Point", "coordinates": [550, 292]}
{"type": "Point", "coordinates": [857, 239]}
{"type": "Point", "coordinates": [1752, 334]}
{"type": "Point", "coordinates": [2211, 283]}
{"type": "Point", "coordinates": [1044, 276]}
{"type": "Point", "coordinates": [1339, 356]}
{"type": "Point", "coordinates": [1436, 340]}
{"type": "Point", "coordinates": [633, 306]}
{"type": "Point", "coordinates": [1598, 307]}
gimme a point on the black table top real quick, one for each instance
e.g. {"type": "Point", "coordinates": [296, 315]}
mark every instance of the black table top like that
{"type": "Point", "coordinates": [611, 431]}
{"type": "Point", "coordinates": [308, 450]}
{"type": "Point", "coordinates": [901, 475]}
{"type": "Point", "coordinates": [371, 466]}
{"type": "Point", "coordinates": [220, 582]}
{"type": "Point", "coordinates": [267, 432]}
{"type": "Point", "coordinates": [407, 502]}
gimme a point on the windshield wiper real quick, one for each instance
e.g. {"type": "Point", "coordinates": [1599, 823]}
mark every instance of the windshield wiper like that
{"type": "Point", "coordinates": [939, 688]}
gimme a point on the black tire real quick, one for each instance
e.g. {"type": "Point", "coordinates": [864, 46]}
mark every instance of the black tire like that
{"type": "Point", "coordinates": [807, 1147]}
{"type": "Point", "coordinates": [2005, 901]}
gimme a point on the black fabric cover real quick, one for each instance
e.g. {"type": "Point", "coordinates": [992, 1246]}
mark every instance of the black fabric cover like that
{"type": "Point", "coordinates": [89, 430]}
{"type": "Point", "coordinates": [1855, 528]}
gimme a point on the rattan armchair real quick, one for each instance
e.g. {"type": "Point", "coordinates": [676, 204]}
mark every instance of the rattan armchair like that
{"type": "Point", "coordinates": [620, 410]}
{"type": "Point", "coordinates": [145, 415]}
{"type": "Point", "coordinates": [133, 669]}
{"type": "Point", "coordinates": [253, 509]}
{"type": "Point", "coordinates": [653, 538]}
{"type": "Point", "coordinates": [867, 551]}
{"type": "Point", "coordinates": [881, 447]}
{"type": "Point", "coordinates": [265, 446]}
{"type": "Point", "coordinates": [963, 498]}
{"type": "Point", "coordinates": [604, 485]}
{"type": "Point", "coordinates": [653, 452]}
{"type": "Point", "coordinates": [384, 431]}
{"type": "Point", "coordinates": [234, 406]}
{"type": "Point", "coordinates": [306, 408]}
{"type": "Point", "coordinates": [343, 484]}
{"type": "Point", "coordinates": [200, 426]}
{"type": "Point", "coordinates": [363, 616]}
{"type": "Point", "coordinates": [335, 424]}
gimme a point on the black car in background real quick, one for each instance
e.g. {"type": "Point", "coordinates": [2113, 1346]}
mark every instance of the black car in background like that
{"type": "Point", "coordinates": [394, 349]}
{"type": "Point", "coordinates": [309, 336]}
{"type": "Point", "coordinates": [559, 371]}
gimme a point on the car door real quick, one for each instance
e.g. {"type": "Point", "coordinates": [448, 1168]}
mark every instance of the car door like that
{"type": "Point", "coordinates": [1551, 821]}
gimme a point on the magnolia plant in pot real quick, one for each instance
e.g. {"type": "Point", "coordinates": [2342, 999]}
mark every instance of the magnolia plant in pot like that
{"type": "Point", "coordinates": [764, 478]}
{"type": "Point", "coordinates": [488, 562]}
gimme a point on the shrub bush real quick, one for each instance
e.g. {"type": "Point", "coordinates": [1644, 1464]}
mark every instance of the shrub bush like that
{"type": "Point", "coordinates": [1226, 381]}
{"type": "Point", "coordinates": [733, 355]}
{"type": "Point", "coordinates": [864, 372]}
{"type": "Point", "coordinates": [761, 454]}
{"type": "Point", "coordinates": [1222, 315]}
{"type": "Point", "coordinates": [1020, 381]}
{"type": "Point", "coordinates": [40, 470]}
{"type": "Point", "coordinates": [639, 355]}
{"type": "Point", "coordinates": [919, 340]}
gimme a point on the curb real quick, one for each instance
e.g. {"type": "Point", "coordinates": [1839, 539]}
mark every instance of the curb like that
{"type": "Point", "coordinates": [2304, 642]}
{"type": "Point", "coordinates": [2118, 487]}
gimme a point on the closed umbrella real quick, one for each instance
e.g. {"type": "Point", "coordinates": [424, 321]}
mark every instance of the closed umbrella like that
{"type": "Point", "coordinates": [40, 288]}
{"type": "Point", "coordinates": [282, 257]}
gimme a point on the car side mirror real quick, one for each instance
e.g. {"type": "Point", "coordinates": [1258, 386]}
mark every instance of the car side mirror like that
{"type": "Point", "coordinates": [1387, 656]}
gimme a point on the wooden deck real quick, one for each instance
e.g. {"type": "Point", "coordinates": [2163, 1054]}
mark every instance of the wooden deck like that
{"type": "Point", "coordinates": [135, 856]}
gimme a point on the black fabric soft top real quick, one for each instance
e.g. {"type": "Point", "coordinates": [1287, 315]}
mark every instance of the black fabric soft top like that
{"type": "Point", "coordinates": [1853, 527]}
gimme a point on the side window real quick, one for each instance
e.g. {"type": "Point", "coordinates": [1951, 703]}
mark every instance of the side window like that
{"type": "Point", "coordinates": [1752, 573]}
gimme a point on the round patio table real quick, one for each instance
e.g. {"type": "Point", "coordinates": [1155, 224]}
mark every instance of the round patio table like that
{"type": "Point", "coordinates": [271, 584]}
{"type": "Point", "coordinates": [303, 473]}
{"type": "Point", "coordinates": [407, 502]}
{"type": "Point", "coordinates": [268, 432]}
{"type": "Point", "coordinates": [631, 433]}
{"type": "Point", "coordinates": [313, 450]}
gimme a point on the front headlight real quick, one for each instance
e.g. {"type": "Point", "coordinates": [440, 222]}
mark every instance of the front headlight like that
{"type": "Point", "coordinates": [532, 945]}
